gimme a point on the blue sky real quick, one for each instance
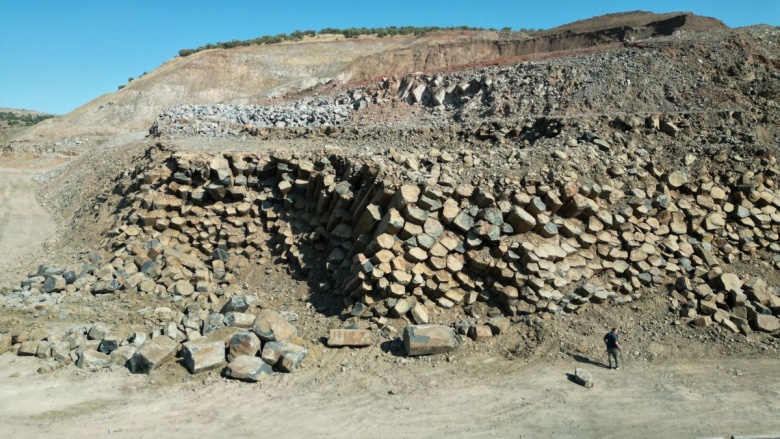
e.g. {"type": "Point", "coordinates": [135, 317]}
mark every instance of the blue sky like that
{"type": "Point", "coordinates": [57, 55]}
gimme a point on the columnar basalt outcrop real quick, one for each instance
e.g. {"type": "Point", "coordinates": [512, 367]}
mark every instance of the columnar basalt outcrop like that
{"type": "Point", "coordinates": [399, 249]}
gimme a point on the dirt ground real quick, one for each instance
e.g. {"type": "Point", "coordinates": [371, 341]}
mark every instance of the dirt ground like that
{"type": "Point", "coordinates": [24, 224]}
{"type": "Point", "coordinates": [469, 397]}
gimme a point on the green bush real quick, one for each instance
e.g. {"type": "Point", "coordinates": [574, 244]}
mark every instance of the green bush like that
{"type": "Point", "coordinates": [14, 119]}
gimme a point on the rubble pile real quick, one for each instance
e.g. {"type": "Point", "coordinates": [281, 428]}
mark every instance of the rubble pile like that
{"type": "Point", "coordinates": [248, 345]}
{"type": "Point", "coordinates": [670, 75]}
{"type": "Point", "coordinates": [219, 119]}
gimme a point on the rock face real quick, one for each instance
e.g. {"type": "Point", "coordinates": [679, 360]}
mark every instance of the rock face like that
{"type": "Point", "coordinates": [428, 340]}
{"type": "Point", "coordinates": [152, 354]}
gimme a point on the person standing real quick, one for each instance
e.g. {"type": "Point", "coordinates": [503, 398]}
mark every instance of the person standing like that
{"type": "Point", "coordinates": [613, 348]}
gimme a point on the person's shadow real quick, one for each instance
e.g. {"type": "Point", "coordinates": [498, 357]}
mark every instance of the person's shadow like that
{"type": "Point", "coordinates": [583, 359]}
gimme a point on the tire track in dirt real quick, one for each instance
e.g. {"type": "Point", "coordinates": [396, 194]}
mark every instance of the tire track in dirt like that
{"type": "Point", "coordinates": [5, 215]}
{"type": "Point", "coordinates": [24, 224]}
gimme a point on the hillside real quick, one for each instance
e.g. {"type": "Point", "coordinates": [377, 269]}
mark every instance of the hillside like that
{"type": "Point", "coordinates": [252, 75]}
{"type": "Point", "coordinates": [13, 121]}
{"type": "Point", "coordinates": [407, 232]}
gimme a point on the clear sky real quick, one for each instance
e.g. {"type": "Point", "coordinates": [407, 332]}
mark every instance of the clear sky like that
{"type": "Point", "coordinates": [56, 55]}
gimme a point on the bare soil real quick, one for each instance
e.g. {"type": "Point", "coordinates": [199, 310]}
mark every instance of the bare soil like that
{"type": "Point", "coordinates": [24, 224]}
{"type": "Point", "coordinates": [475, 396]}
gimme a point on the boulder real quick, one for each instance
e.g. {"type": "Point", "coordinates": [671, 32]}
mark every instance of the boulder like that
{"type": "Point", "coordinates": [291, 360]}
{"type": "Point", "coordinates": [5, 343]}
{"type": "Point", "coordinates": [677, 178]}
{"type": "Point", "coordinates": [499, 325]}
{"type": "Point", "coordinates": [758, 291]}
{"type": "Point", "coordinates": [463, 222]}
{"type": "Point", "coordinates": [428, 339]}
{"type": "Point", "coordinates": [766, 323]}
{"type": "Point", "coordinates": [480, 332]}
{"type": "Point", "coordinates": [239, 303]}
{"type": "Point", "coordinates": [54, 284]}
{"type": "Point", "coordinates": [239, 319]}
{"type": "Point", "coordinates": [669, 128]}
{"type": "Point", "coordinates": [92, 360]}
{"type": "Point", "coordinates": [583, 377]}
{"type": "Point", "coordinates": [60, 351]}
{"type": "Point", "coordinates": [244, 343]}
{"type": "Point", "coordinates": [44, 350]}
{"type": "Point", "coordinates": [275, 352]}
{"type": "Point", "coordinates": [152, 354]}
{"type": "Point", "coordinates": [98, 331]}
{"type": "Point", "coordinates": [520, 220]}
{"type": "Point", "coordinates": [122, 355]}
{"type": "Point", "coordinates": [109, 344]}
{"type": "Point", "coordinates": [701, 321]}
{"type": "Point", "coordinates": [730, 282]}
{"type": "Point", "coordinates": [247, 368]}
{"type": "Point", "coordinates": [356, 338]}
{"type": "Point", "coordinates": [271, 326]}
{"type": "Point", "coordinates": [29, 348]}
{"type": "Point", "coordinates": [183, 288]}
{"type": "Point", "coordinates": [203, 354]}
{"type": "Point", "coordinates": [419, 314]}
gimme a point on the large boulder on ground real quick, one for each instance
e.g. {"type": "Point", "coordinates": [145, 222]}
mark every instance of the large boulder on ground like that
{"type": "Point", "coordinates": [356, 338]}
{"type": "Point", "coordinates": [428, 339]}
{"type": "Point", "coordinates": [583, 377]}
{"type": "Point", "coordinates": [152, 354]}
{"type": "Point", "coordinates": [248, 368]}
{"type": "Point", "coordinates": [285, 356]}
{"type": "Point", "coordinates": [109, 344]}
{"type": "Point", "coordinates": [766, 323]}
{"type": "Point", "coordinates": [243, 343]}
{"type": "Point", "coordinates": [92, 360]}
{"type": "Point", "coordinates": [28, 348]}
{"type": "Point", "coordinates": [203, 354]}
{"type": "Point", "coordinates": [5, 343]}
{"type": "Point", "coordinates": [122, 355]}
{"type": "Point", "coordinates": [729, 282]}
{"type": "Point", "coordinates": [98, 331]}
{"type": "Point", "coordinates": [271, 326]}
{"type": "Point", "coordinates": [239, 303]}
{"type": "Point", "coordinates": [239, 319]}
{"type": "Point", "coordinates": [291, 360]}
{"type": "Point", "coordinates": [54, 284]}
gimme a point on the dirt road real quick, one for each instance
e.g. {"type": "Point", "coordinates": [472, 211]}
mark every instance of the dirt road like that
{"type": "Point", "coordinates": [489, 397]}
{"type": "Point", "coordinates": [24, 225]}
